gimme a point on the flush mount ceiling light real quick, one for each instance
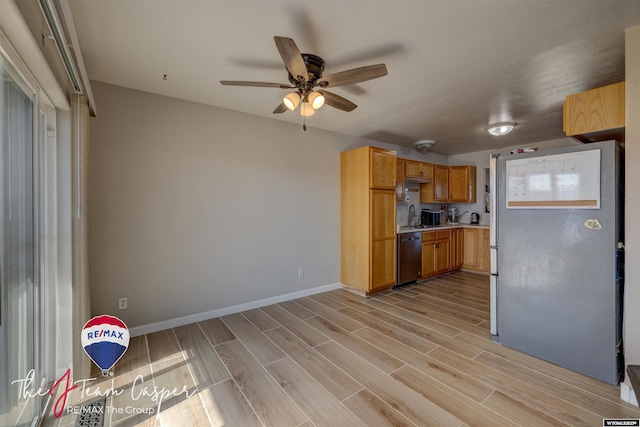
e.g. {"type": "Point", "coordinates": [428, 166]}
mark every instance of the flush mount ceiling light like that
{"type": "Point", "coordinates": [500, 129]}
{"type": "Point", "coordinates": [425, 145]}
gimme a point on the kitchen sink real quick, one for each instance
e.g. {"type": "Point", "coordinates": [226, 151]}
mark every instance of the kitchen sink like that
{"type": "Point", "coordinates": [418, 227]}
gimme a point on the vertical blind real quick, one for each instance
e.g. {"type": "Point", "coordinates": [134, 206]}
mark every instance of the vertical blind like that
{"type": "Point", "coordinates": [18, 249]}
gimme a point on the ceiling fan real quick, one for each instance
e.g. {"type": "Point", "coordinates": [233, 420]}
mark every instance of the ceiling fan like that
{"type": "Point", "coordinates": [305, 75]}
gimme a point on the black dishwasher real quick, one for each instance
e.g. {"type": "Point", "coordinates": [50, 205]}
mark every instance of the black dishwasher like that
{"type": "Point", "coordinates": [409, 257]}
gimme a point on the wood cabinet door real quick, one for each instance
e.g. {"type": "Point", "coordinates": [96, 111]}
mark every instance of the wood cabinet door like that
{"type": "Point", "coordinates": [484, 253]}
{"type": "Point", "coordinates": [440, 183]}
{"type": "Point", "coordinates": [442, 256]}
{"type": "Point", "coordinates": [456, 243]}
{"type": "Point", "coordinates": [426, 170]}
{"type": "Point", "coordinates": [428, 259]}
{"type": "Point", "coordinates": [383, 263]}
{"type": "Point", "coordinates": [458, 183]}
{"type": "Point", "coordinates": [470, 257]}
{"type": "Point", "coordinates": [595, 110]}
{"type": "Point", "coordinates": [462, 188]}
{"type": "Point", "coordinates": [418, 170]}
{"type": "Point", "coordinates": [412, 169]}
{"type": "Point", "coordinates": [383, 238]}
{"type": "Point", "coordinates": [383, 169]}
{"type": "Point", "coordinates": [383, 214]}
{"type": "Point", "coordinates": [400, 168]}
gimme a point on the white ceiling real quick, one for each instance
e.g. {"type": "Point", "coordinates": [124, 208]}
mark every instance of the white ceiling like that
{"type": "Point", "coordinates": [454, 65]}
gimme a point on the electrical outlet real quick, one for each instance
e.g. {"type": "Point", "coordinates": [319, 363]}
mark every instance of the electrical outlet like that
{"type": "Point", "coordinates": [122, 303]}
{"type": "Point", "coordinates": [300, 272]}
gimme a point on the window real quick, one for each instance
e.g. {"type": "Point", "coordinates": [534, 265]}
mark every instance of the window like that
{"type": "Point", "coordinates": [25, 307]}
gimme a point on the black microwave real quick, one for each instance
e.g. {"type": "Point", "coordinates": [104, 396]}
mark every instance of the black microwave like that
{"type": "Point", "coordinates": [430, 217]}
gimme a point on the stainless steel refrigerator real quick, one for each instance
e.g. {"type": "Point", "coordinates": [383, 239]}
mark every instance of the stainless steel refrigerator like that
{"type": "Point", "coordinates": [557, 229]}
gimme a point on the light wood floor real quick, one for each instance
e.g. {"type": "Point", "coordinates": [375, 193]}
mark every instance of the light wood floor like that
{"type": "Point", "coordinates": [418, 355]}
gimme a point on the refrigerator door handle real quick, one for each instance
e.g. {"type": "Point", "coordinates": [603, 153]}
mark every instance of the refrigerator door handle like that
{"type": "Point", "coordinates": [493, 243]}
{"type": "Point", "coordinates": [493, 250]}
{"type": "Point", "coordinates": [493, 200]}
{"type": "Point", "coordinates": [493, 295]}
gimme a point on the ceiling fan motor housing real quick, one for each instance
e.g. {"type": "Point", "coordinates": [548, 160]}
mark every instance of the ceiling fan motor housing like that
{"type": "Point", "coordinates": [315, 67]}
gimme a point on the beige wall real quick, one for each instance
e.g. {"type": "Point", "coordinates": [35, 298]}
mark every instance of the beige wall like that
{"type": "Point", "coordinates": [632, 200]}
{"type": "Point", "coordinates": [196, 208]}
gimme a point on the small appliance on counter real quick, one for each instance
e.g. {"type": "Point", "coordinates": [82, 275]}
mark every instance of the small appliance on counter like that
{"type": "Point", "coordinates": [475, 218]}
{"type": "Point", "coordinates": [429, 217]}
{"type": "Point", "coordinates": [454, 217]}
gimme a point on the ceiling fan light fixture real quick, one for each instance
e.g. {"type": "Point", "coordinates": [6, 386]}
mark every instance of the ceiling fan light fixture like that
{"type": "Point", "coordinates": [306, 109]}
{"type": "Point", "coordinates": [291, 101]}
{"type": "Point", "coordinates": [501, 128]}
{"type": "Point", "coordinates": [316, 100]}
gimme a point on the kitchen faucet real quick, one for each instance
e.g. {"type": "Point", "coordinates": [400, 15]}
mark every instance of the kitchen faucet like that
{"type": "Point", "coordinates": [412, 214]}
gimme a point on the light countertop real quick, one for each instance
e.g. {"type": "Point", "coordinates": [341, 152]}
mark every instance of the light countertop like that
{"type": "Point", "coordinates": [406, 229]}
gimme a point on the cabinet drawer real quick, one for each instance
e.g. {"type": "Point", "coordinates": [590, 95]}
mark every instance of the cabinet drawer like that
{"type": "Point", "coordinates": [428, 236]}
{"type": "Point", "coordinates": [442, 234]}
{"type": "Point", "coordinates": [432, 236]}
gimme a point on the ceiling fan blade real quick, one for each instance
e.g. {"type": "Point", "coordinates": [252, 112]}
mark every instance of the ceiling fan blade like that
{"type": "Point", "coordinates": [355, 75]}
{"type": "Point", "coordinates": [280, 108]}
{"type": "Point", "coordinates": [336, 101]}
{"type": "Point", "coordinates": [292, 58]}
{"type": "Point", "coordinates": [256, 84]}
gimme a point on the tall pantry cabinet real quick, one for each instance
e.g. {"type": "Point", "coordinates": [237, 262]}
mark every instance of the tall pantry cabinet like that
{"type": "Point", "coordinates": [368, 218]}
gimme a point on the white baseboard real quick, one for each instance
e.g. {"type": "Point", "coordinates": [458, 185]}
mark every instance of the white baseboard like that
{"type": "Point", "coordinates": [198, 317]}
{"type": "Point", "coordinates": [627, 394]}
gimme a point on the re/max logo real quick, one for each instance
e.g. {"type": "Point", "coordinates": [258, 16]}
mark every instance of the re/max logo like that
{"type": "Point", "coordinates": [103, 333]}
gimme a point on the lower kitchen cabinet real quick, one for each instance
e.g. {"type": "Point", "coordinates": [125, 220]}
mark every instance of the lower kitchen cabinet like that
{"type": "Point", "coordinates": [476, 249]}
{"type": "Point", "coordinates": [484, 251]}
{"type": "Point", "coordinates": [435, 252]}
{"type": "Point", "coordinates": [456, 243]}
{"type": "Point", "coordinates": [428, 259]}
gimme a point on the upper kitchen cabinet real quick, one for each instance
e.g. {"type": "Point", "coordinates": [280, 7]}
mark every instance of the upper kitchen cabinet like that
{"type": "Point", "coordinates": [462, 184]}
{"type": "Point", "coordinates": [382, 168]}
{"type": "Point", "coordinates": [596, 114]}
{"type": "Point", "coordinates": [400, 164]}
{"type": "Point", "coordinates": [441, 183]}
{"type": "Point", "coordinates": [418, 171]}
{"type": "Point", "coordinates": [438, 189]}
{"type": "Point", "coordinates": [368, 219]}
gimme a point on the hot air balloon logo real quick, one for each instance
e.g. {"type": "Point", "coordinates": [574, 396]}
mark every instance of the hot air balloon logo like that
{"type": "Point", "coordinates": [105, 339]}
